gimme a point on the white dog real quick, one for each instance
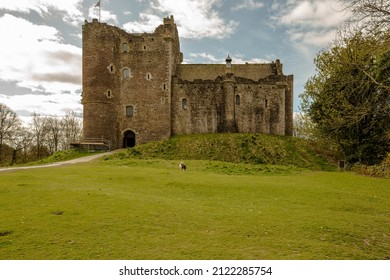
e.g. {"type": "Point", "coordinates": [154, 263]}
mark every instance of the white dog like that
{"type": "Point", "coordinates": [182, 166]}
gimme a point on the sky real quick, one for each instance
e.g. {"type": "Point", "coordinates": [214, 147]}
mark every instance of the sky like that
{"type": "Point", "coordinates": [40, 53]}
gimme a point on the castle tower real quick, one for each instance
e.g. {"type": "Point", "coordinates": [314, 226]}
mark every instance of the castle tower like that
{"type": "Point", "coordinates": [127, 82]}
{"type": "Point", "coordinates": [229, 119]}
{"type": "Point", "coordinates": [100, 84]}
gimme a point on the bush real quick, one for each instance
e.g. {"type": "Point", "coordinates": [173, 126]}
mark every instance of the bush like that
{"type": "Point", "coordinates": [379, 170]}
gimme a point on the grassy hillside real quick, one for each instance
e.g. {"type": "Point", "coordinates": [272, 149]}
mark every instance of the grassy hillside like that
{"type": "Point", "coordinates": [234, 148]}
{"type": "Point", "coordinates": [149, 209]}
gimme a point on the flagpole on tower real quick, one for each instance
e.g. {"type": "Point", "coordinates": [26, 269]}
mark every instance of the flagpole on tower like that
{"type": "Point", "coordinates": [99, 7]}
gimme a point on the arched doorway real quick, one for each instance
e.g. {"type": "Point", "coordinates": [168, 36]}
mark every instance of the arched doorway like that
{"type": "Point", "coordinates": [129, 139]}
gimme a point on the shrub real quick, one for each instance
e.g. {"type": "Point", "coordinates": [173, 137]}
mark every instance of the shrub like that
{"type": "Point", "coordinates": [379, 170]}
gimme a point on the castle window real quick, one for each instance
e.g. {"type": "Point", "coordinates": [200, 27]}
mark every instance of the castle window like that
{"type": "Point", "coordinates": [125, 47]}
{"type": "Point", "coordinates": [164, 86]}
{"type": "Point", "coordinates": [126, 73]}
{"type": "Point", "coordinates": [109, 94]}
{"type": "Point", "coordinates": [111, 68]}
{"type": "Point", "coordinates": [184, 104]}
{"type": "Point", "coordinates": [266, 103]}
{"type": "Point", "coordinates": [129, 111]}
{"type": "Point", "coordinates": [148, 76]}
{"type": "Point", "coordinates": [238, 99]}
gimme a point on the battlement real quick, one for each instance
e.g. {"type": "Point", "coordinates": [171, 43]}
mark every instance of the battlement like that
{"type": "Point", "coordinates": [167, 28]}
{"type": "Point", "coordinates": [169, 20]}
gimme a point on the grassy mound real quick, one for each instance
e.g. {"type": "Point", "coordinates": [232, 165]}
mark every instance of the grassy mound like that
{"type": "Point", "coordinates": [209, 167]}
{"type": "Point", "coordinates": [234, 148]}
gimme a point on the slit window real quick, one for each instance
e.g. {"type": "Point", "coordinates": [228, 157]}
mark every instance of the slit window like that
{"type": "Point", "coordinates": [238, 99]}
{"type": "Point", "coordinates": [148, 76]}
{"type": "Point", "coordinates": [266, 103]}
{"type": "Point", "coordinates": [184, 104]}
{"type": "Point", "coordinates": [129, 111]}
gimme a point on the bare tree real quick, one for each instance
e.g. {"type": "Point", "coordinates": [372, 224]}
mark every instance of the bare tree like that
{"type": "Point", "coordinates": [9, 125]}
{"type": "Point", "coordinates": [72, 129]}
{"type": "Point", "coordinates": [21, 145]}
{"type": "Point", "coordinates": [303, 127]}
{"type": "Point", "coordinates": [39, 130]}
{"type": "Point", "coordinates": [54, 133]}
{"type": "Point", "coordinates": [372, 16]}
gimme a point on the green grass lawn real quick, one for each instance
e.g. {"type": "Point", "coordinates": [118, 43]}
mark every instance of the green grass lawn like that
{"type": "Point", "coordinates": [149, 209]}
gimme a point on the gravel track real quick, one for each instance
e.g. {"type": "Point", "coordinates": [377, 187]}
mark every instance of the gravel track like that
{"type": "Point", "coordinates": [67, 162]}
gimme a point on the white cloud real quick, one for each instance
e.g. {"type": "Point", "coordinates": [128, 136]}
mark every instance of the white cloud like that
{"type": "Point", "coordinates": [208, 57]}
{"type": "Point", "coordinates": [236, 59]}
{"type": "Point", "coordinates": [55, 104]}
{"type": "Point", "coordinates": [275, 6]}
{"type": "Point", "coordinates": [311, 23]}
{"type": "Point", "coordinates": [70, 8]}
{"type": "Point", "coordinates": [196, 19]}
{"type": "Point", "coordinates": [313, 38]}
{"type": "Point", "coordinates": [34, 57]}
{"type": "Point", "coordinates": [147, 23]}
{"type": "Point", "coordinates": [323, 13]}
{"type": "Point", "coordinates": [249, 4]}
{"type": "Point", "coordinates": [105, 16]}
{"type": "Point", "coordinates": [240, 60]}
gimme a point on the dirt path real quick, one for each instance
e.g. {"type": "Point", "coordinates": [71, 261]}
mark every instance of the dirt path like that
{"type": "Point", "coordinates": [72, 161]}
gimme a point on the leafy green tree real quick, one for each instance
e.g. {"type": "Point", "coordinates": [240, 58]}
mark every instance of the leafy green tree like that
{"type": "Point", "coordinates": [349, 97]}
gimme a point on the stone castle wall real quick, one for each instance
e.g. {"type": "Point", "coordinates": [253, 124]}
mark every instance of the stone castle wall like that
{"type": "Point", "coordinates": [125, 73]}
{"type": "Point", "coordinates": [191, 72]}
{"type": "Point", "coordinates": [136, 90]}
{"type": "Point", "coordinates": [203, 106]}
{"type": "Point", "coordinates": [100, 44]}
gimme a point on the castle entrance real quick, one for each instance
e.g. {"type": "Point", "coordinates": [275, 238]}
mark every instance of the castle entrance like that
{"type": "Point", "coordinates": [129, 139]}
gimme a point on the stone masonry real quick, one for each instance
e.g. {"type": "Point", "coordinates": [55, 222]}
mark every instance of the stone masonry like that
{"type": "Point", "coordinates": [136, 89]}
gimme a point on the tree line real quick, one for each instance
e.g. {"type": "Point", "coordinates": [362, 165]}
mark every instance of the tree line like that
{"type": "Point", "coordinates": [347, 101]}
{"type": "Point", "coordinates": [43, 136]}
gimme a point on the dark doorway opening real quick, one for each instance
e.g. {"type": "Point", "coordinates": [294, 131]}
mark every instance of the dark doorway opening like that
{"type": "Point", "coordinates": [129, 139]}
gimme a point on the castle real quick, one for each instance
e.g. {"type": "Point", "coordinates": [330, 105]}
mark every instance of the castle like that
{"type": "Point", "coordinates": [136, 89]}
